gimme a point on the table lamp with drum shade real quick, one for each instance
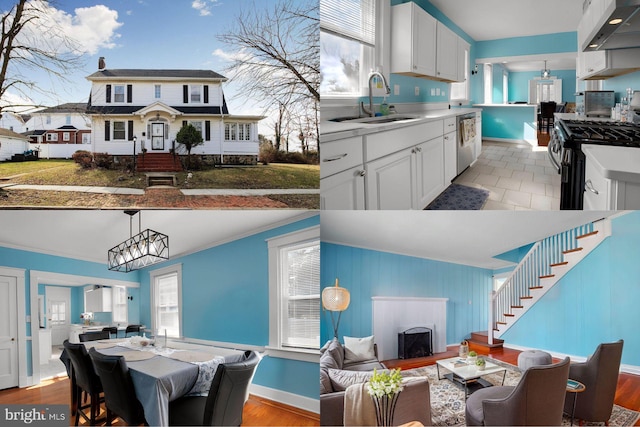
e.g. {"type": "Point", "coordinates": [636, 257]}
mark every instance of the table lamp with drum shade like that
{"type": "Point", "coordinates": [335, 298]}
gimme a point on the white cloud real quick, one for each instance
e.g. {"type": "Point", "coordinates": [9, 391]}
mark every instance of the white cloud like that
{"type": "Point", "coordinates": [91, 28]}
{"type": "Point", "coordinates": [204, 6]}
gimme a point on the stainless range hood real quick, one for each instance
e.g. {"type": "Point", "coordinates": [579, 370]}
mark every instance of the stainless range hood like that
{"type": "Point", "coordinates": [620, 29]}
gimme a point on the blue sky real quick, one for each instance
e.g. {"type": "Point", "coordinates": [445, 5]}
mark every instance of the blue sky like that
{"type": "Point", "coordinates": [146, 34]}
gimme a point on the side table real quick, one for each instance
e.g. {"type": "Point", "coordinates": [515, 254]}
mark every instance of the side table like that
{"type": "Point", "coordinates": [574, 387]}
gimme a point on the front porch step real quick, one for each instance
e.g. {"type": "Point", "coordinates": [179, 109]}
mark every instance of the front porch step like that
{"type": "Point", "coordinates": [480, 341]}
{"type": "Point", "coordinates": [158, 162]}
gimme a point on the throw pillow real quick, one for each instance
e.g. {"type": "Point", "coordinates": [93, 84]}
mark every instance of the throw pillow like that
{"type": "Point", "coordinates": [333, 356]}
{"type": "Point", "coordinates": [325, 382]}
{"type": "Point", "coordinates": [340, 379]}
{"type": "Point", "coordinates": [358, 349]}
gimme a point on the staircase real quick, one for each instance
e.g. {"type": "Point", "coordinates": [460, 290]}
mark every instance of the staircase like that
{"type": "Point", "coordinates": [543, 266]}
{"type": "Point", "coordinates": [158, 162]}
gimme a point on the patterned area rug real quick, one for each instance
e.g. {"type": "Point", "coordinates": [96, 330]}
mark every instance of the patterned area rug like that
{"type": "Point", "coordinates": [460, 197]}
{"type": "Point", "coordinates": [447, 400]}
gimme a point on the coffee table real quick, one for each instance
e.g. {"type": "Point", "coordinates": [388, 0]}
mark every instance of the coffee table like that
{"type": "Point", "coordinates": [468, 376]}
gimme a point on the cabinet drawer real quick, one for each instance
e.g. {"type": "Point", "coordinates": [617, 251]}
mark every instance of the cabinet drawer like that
{"type": "Point", "coordinates": [340, 155]}
{"type": "Point", "coordinates": [597, 189]}
{"type": "Point", "coordinates": [384, 143]}
{"type": "Point", "coordinates": [449, 124]}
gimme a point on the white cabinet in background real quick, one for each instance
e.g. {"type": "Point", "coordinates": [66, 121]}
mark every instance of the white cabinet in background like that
{"type": "Point", "coordinates": [342, 174]}
{"type": "Point", "coordinates": [98, 300]}
{"type": "Point", "coordinates": [446, 53]}
{"type": "Point", "coordinates": [463, 59]}
{"type": "Point", "coordinates": [413, 41]}
{"type": "Point", "coordinates": [450, 153]}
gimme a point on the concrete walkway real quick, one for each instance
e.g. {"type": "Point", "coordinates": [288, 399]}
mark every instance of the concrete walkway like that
{"type": "Point", "coordinates": [138, 192]}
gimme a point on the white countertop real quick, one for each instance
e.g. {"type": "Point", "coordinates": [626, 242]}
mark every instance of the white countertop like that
{"type": "Point", "coordinates": [330, 131]}
{"type": "Point", "coordinates": [616, 163]}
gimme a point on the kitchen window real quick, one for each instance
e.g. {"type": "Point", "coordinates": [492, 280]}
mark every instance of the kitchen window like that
{"type": "Point", "coordinates": [166, 301]}
{"type": "Point", "coordinates": [119, 300]}
{"type": "Point", "coordinates": [347, 46]}
{"type": "Point", "coordinates": [294, 291]}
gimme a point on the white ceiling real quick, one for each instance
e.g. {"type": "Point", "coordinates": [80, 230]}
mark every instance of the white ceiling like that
{"type": "Point", "coordinates": [461, 237]}
{"type": "Point", "coordinates": [89, 234]}
{"type": "Point", "coordinates": [499, 19]}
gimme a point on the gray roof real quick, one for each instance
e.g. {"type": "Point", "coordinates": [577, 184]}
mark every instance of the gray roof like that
{"type": "Point", "coordinates": [70, 107]}
{"type": "Point", "coordinates": [12, 134]}
{"type": "Point", "coordinates": [194, 74]}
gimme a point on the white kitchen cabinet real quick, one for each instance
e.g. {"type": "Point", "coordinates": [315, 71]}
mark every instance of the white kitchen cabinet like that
{"type": "Point", "coordinates": [390, 181]}
{"type": "Point", "coordinates": [413, 41]}
{"type": "Point", "coordinates": [478, 141]}
{"type": "Point", "coordinates": [45, 346]}
{"type": "Point", "coordinates": [344, 190]}
{"type": "Point", "coordinates": [602, 193]}
{"type": "Point", "coordinates": [604, 64]}
{"type": "Point", "coordinates": [446, 53]}
{"type": "Point", "coordinates": [98, 300]}
{"type": "Point", "coordinates": [429, 170]}
{"type": "Point", "coordinates": [342, 174]}
{"type": "Point", "coordinates": [450, 154]}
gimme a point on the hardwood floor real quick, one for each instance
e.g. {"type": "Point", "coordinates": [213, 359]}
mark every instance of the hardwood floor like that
{"type": "Point", "coordinates": [257, 411]}
{"type": "Point", "coordinates": [627, 393]}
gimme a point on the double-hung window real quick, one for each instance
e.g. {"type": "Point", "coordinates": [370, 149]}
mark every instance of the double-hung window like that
{"type": "Point", "coordinates": [195, 93]}
{"type": "Point", "coordinates": [119, 301]}
{"type": "Point", "coordinates": [157, 91]}
{"type": "Point", "coordinates": [118, 93]}
{"type": "Point", "coordinates": [294, 291]}
{"type": "Point", "coordinates": [347, 46]}
{"type": "Point", "coordinates": [119, 131]}
{"type": "Point", "coordinates": [166, 301]}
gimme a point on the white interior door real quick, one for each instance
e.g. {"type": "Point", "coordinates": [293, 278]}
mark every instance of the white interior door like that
{"type": "Point", "coordinates": [8, 333]}
{"type": "Point", "coordinates": [58, 313]}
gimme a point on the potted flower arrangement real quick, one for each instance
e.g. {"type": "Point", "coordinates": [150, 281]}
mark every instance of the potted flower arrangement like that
{"type": "Point", "coordinates": [472, 357]}
{"type": "Point", "coordinates": [481, 363]}
{"type": "Point", "coordinates": [384, 388]}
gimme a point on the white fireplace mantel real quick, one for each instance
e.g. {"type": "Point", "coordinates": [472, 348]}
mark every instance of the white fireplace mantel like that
{"type": "Point", "coordinates": [394, 314]}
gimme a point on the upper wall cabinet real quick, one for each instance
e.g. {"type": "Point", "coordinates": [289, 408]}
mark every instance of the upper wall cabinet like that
{"type": "Point", "coordinates": [421, 46]}
{"type": "Point", "coordinates": [413, 41]}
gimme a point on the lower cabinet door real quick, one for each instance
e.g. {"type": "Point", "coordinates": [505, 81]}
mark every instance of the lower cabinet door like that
{"type": "Point", "coordinates": [344, 190]}
{"type": "Point", "coordinates": [389, 182]}
{"type": "Point", "coordinates": [429, 171]}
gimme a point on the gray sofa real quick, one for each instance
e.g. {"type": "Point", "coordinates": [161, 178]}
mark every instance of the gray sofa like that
{"type": "Point", "coordinates": [336, 375]}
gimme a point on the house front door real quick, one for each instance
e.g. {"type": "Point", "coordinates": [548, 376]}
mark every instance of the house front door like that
{"type": "Point", "coordinates": [157, 136]}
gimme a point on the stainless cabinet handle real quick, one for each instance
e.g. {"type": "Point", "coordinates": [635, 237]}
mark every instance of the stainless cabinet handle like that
{"type": "Point", "coordinates": [338, 157]}
{"type": "Point", "coordinates": [362, 173]}
{"type": "Point", "coordinates": [589, 186]}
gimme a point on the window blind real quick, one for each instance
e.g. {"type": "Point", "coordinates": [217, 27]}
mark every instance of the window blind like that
{"type": "Point", "coordinates": [354, 19]}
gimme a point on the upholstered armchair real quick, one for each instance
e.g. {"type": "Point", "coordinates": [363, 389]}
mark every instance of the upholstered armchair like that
{"type": "Point", "coordinates": [600, 376]}
{"type": "Point", "coordinates": [537, 399]}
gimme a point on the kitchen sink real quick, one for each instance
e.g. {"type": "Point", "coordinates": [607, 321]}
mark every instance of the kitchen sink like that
{"type": "Point", "coordinates": [375, 120]}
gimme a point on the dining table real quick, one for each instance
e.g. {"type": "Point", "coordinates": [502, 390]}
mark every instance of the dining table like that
{"type": "Point", "coordinates": [162, 374]}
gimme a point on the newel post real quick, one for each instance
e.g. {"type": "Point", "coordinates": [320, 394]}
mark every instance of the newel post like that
{"type": "Point", "coordinates": [492, 297]}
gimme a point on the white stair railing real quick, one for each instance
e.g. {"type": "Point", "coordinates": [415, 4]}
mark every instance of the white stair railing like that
{"type": "Point", "coordinates": [537, 263]}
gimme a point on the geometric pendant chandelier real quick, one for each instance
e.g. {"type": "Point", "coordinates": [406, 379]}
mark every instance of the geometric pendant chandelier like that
{"type": "Point", "coordinates": [146, 248]}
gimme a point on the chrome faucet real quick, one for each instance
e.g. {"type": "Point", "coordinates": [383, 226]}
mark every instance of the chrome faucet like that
{"type": "Point", "coordinates": [387, 89]}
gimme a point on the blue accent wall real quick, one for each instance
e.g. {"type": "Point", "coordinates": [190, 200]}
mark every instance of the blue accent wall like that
{"type": "Point", "coordinates": [530, 45]}
{"type": "Point", "coordinates": [506, 122]}
{"type": "Point", "coordinates": [225, 296]}
{"type": "Point", "coordinates": [367, 273]}
{"type": "Point", "coordinates": [595, 302]}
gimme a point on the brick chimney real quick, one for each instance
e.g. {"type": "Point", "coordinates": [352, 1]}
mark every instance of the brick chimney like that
{"type": "Point", "coordinates": [101, 64]}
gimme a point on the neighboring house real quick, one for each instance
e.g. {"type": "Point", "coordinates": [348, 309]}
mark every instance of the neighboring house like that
{"type": "Point", "coordinates": [12, 121]}
{"type": "Point", "coordinates": [62, 124]}
{"type": "Point", "coordinates": [12, 143]}
{"type": "Point", "coordinates": [151, 106]}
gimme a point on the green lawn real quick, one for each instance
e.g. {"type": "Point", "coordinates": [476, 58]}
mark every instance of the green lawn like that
{"type": "Point", "coordinates": [66, 172]}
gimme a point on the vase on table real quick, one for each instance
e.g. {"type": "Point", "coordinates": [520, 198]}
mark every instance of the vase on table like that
{"type": "Point", "coordinates": [385, 408]}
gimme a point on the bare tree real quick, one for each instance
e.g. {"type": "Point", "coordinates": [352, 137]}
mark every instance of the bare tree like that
{"type": "Point", "coordinates": [22, 50]}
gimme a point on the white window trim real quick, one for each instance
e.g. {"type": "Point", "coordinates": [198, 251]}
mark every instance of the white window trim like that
{"type": "Point", "coordinates": [158, 92]}
{"type": "Point", "coordinates": [66, 136]}
{"type": "Point", "coordinates": [113, 304]}
{"type": "Point", "coordinates": [124, 94]}
{"type": "Point", "coordinates": [275, 244]}
{"type": "Point", "coordinates": [177, 269]}
{"type": "Point", "coordinates": [201, 94]}
{"type": "Point", "coordinates": [113, 130]}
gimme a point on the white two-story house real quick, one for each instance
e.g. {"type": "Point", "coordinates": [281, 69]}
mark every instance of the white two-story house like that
{"type": "Point", "coordinates": [149, 107]}
{"type": "Point", "coordinates": [63, 124]}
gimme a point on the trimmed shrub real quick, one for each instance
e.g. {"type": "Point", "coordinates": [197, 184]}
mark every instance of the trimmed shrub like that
{"type": "Point", "coordinates": [83, 158]}
{"type": "Point", "coordinates": [103, 160]}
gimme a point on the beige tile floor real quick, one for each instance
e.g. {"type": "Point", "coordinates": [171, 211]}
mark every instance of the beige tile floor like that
{"type": "Point", "coordinates": [518, 177]}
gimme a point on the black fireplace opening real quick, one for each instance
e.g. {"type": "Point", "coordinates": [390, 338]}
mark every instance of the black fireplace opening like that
{"type": "Point", "coordinates": [415, 342]}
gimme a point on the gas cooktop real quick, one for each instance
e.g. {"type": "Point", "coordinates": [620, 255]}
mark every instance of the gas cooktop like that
{"type": "Point", "coordinates": [599, 132]}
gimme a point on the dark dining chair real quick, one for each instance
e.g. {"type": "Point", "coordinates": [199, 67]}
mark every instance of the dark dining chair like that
{"type": "Point", "coordinates": [94, 336]}
{"type": "Point", "coordinates": [546, 115]}
{"type": "Point", "coordinates": [135, 329]}
{"type": "Point", "coordinates": [224, 404]}
{"type": "Point", "coordinates": [119, 393]}
{"type": "Point", "coordinates": [112, 331]}
{"type": "Point", "coordinates": [86, 381]}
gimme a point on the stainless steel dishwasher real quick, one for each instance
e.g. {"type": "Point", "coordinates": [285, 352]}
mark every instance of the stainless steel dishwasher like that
{"type": "Point", "coordinates": [466, 125]}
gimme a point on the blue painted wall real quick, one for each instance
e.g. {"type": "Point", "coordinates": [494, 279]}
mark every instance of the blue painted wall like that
{"type": "Point", "coordinates": [367, 273]}
{"type": "Point", "coordinates": [507, 122]}
{"type": "Point", "coordinates": [530, 45]}
{"type": "Point", "coordinates": [595, 302]}
{"type": "Point", "coordinates": [225, 295]}
{"type": "Point", "coordinates": [620, 84]}
{"type": "Point", "coordinates": [519, 84]}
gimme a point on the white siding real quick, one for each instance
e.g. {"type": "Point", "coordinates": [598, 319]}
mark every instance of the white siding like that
{"type": "Point", "coordinates": [39, 121]}
{"type": "Point", "coordinates": [12, 122]}
{"type": "Point", "coordinates": [10, 146]}
{"type": "Point", "coordinates": [143, 93]}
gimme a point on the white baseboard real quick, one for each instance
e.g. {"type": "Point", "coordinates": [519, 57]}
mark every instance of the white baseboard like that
{"type": "Point", "coordinates": [302, 402]}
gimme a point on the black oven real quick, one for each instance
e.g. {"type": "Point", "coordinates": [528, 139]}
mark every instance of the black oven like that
{"type": "Point", "coordinates": [565, 152]}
